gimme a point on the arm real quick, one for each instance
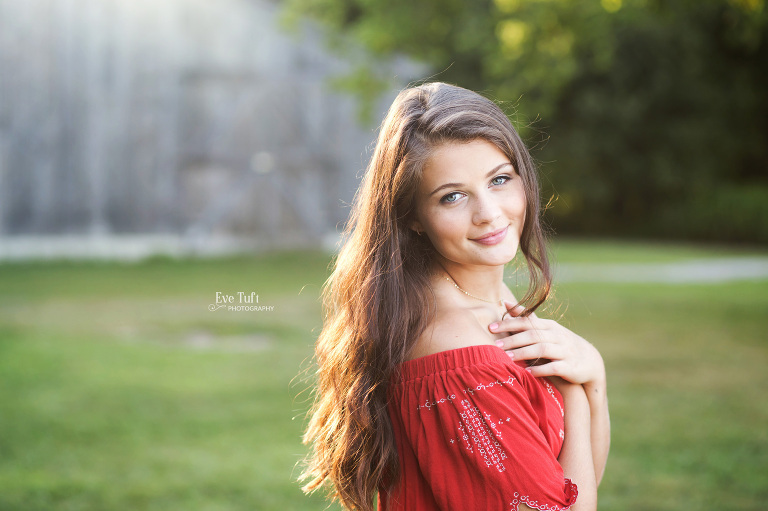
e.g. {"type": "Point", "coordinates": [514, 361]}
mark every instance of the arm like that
{"type": "Point", "coordinates": [600, 423]}
{"type": "Point", "coordinates": [576, 454]}
{"type": "Point", "coordinates": [570, 357]}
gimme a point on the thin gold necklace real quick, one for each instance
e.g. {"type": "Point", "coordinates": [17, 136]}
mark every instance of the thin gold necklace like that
{"type": "Point", "coordinates": [500, 301]}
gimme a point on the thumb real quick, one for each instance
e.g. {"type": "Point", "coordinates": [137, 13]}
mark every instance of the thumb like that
{"type": "Point", "coordinates": [516, 310]}
{"type": "Point", "coordinates": [513, 308]}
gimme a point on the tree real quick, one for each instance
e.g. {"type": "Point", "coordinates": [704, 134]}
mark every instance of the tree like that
{"type": "Point", "coordinates": [641, 111]}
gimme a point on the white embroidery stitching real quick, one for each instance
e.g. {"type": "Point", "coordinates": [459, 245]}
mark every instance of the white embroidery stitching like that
{"type": "Point", "coordinates": [483, 438]}
{"type": "Point", "coordinates": [430, 404]}
{"type": "Point", "coordinates": [525, 499]}
{"type": "Point", "coordinates": [482, 432]}
{"type": "Point", "coordinates": [469, 390]}
{"type": "Point", "coordinates": [533, 504]}
{"type": "Point", "coordinates": [552, 393]}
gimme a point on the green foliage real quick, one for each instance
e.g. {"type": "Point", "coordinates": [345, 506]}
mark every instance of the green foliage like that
{"type": "Point", "coordinates": [728, 213]}
{"type": "Point", "coordinates": [679, 116]}
{"type": "Point", "coordinates": [645, 105]}
{"type": "Point", "coordinates": [367, 84]}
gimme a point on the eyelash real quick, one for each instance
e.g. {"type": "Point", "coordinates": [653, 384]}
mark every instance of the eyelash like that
{"type": "Point", "coordinates": [443, 201]}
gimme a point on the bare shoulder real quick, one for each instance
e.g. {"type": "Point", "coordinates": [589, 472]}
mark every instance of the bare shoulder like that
{"type": "Point", "coordinates": [451, 329]}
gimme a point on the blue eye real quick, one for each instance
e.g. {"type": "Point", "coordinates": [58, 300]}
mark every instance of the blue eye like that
{"type": "Point", "coordinates": [445, 198]}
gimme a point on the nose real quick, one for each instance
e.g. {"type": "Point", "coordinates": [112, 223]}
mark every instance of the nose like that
{"type": "Point", "coordinates": [486, 210]}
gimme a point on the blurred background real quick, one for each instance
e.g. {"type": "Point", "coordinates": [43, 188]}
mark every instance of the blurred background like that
{"type": "Point", "coordinates": [174, 177]}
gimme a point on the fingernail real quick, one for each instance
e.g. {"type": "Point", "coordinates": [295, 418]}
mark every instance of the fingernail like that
{"type": "Point", "coordinates": [499, 343]}
{"type": "Point", "coordinates": [511, 355]}
{"type": "Point", "coordinates": [494, 326]}
{"type": "Point", "coordinates": [528, 369]}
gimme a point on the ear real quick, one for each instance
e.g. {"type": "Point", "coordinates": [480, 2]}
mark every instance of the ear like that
{"type": "Point", "coordinates": [416, 227]}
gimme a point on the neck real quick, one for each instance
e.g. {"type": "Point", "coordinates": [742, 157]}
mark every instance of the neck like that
{"type": "Point", "coordinates": [486, 282]}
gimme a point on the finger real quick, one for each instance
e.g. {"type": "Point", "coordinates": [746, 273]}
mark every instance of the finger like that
{"type": "Point", "coordinates": [538, 350]}
{"type": "Point", "coordinates": [516, 310]}
{"type": "Point", "coordinates": [518, 324]}
{"type": "Point", "coordinates": [554, 368]}
{"type": "Point", "coordinates": [511, 325]}
{"type": "Point", "coordinates": [523, 338]}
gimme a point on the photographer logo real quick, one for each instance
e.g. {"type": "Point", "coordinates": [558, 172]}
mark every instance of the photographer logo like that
{"type": "Point", "coordinates": [240, 301]}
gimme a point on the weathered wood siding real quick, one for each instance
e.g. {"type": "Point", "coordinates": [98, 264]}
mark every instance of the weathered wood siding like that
{"type": "Point", "coordinates": [177, 116]}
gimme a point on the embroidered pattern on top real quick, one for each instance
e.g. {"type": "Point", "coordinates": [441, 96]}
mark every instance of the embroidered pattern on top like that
{"type": "Point", "coordinates": [533, 504]}
{"type": "Point", "coordinates": [572, 492]}
{"type": "Point", "coordinates": [480, 433]}
{"type": "Point", "coordinates": [552, 393]}
{"type": "Point", "coordinates": [469, 390]}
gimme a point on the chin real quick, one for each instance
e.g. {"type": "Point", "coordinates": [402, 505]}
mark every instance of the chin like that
{"type": "Point", "coordinates": [506, 257]}
{"type": "Point", "coordinates": [497, 259]}
{"type": "Point", "coordinates": [487, 256]}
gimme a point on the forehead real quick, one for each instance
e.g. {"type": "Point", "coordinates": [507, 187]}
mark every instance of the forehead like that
{"type": "Point", "coordinates": [461, 162]}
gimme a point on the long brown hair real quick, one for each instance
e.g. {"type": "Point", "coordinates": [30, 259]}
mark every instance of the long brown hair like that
{"type": "Point", "coordinates": [376, 300]}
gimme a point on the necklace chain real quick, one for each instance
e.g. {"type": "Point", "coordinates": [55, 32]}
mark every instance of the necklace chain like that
{"type": "Point", "coordinates": [499, 301]}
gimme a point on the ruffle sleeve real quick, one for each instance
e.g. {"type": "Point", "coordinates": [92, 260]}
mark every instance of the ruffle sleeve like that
{"type": "Point", "coordinates": [477, 432]}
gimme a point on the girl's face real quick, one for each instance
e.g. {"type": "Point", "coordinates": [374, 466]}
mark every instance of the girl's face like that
{"type": "Point", "coordinates": [467, 191]}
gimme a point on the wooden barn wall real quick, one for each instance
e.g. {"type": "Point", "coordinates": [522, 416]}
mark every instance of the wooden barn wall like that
{"type": "Point", "coordinates": [180, 116]}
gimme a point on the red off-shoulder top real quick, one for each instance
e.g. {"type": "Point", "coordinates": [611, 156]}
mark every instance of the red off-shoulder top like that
{"type": "Point", "coordinates": [476, 431]}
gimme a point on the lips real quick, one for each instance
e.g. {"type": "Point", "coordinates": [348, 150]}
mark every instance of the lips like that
{"type": "Point", "coordinates": [492, 237]}
{"type": "Point", "coordinates": [490, 234]}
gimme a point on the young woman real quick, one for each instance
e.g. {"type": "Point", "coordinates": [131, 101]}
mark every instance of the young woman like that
{"type": "Point", "coordinates": [437, 388]}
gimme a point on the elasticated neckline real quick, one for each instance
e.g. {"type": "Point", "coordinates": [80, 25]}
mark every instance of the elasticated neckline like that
{"type": "Point", "coordinates": [452, 359]}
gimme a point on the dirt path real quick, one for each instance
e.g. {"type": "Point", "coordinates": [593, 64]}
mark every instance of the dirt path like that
{"type": "Point", "coordinates": [692, 271]}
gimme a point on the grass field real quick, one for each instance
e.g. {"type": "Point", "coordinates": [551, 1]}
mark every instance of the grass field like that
{"type": "Point", "coordinates": [119, 389]}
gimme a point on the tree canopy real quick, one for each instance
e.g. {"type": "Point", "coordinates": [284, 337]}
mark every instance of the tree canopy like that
{"type": "Point", "coordinates": [648, 117]}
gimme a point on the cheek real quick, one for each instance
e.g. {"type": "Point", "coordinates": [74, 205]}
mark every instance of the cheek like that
{"type": "Point", "coordinates": [519, 203]}
{"type": "Point", "coordinates": [444, 224]}
{"type": "Point", "coordinates": [520, 209]}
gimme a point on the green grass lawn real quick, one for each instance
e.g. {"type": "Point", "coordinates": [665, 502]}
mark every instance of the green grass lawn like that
{"type": "Point", "coordinates": [119, 389]}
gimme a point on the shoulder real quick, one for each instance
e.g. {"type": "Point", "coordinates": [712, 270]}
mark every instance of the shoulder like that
{"type": "Point", "coordinates": [451, 328]}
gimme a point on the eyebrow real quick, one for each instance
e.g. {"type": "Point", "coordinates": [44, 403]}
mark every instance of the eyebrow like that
{"type": "Point", "coordinates": [455, 185]}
